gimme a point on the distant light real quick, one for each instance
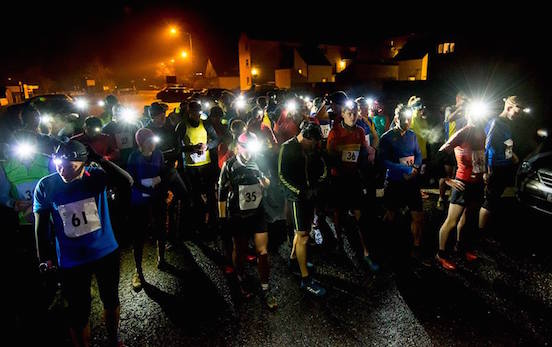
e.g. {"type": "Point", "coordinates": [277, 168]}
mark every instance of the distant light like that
{"type": "Point", "coordinates": [46, 118]}
{"type": "Point", "coordinates": [291, 106]}
{"type": "Point", "coordinates": [542, 133]}
{"type": "Point", "coordinates": [101, 103]}
{"type": "Point", "coordinates": [260, 113]}
{"type": "Point", "coordinates": [370, 101]}
{"type": "Point", "coordinates": [156, 139]}
{"type": "Point", "coordinates": [307, 99]}
{"type": "Point", "coordinates": [97, 129]}
{"type": "Point", "coordinates": [172, 61]}
{"type": "Point", "coordinates": [342, 64]}
{"type": "Point", "coordinates": [24, 150]}
{"type": "Point", "coordinates": [184, 54]}
{"type": "Point", "coordinates": [254, 71]}
{"type": "Point", "coordinates": [349, 104]}
{"type": "Point", "coordinates": [527, 110]}
{"type": "Point", "coordinates": [81, 104]}
{"type": "Point", "coordinates": [173, 30]}
{"type": "Point", "coordinates": [207, 104]}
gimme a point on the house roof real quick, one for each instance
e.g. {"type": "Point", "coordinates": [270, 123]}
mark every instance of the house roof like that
{"type": "Point", "coordinates": [313, 56]}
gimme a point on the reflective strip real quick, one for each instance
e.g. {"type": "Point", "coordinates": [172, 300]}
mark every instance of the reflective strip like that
{"type": "Point", "coordinates": [295, 216]}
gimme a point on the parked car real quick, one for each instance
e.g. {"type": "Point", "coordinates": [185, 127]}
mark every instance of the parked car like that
{"type": "Point", "coordinates": [174, 94]}
{"type": "Point", "coordinates": [534, 176]}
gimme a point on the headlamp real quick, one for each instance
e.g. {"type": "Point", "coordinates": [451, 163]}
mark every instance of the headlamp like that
{"type": "Point", "coordinates": [260, 113]}
{"type": "Point", "coordinates": [349, 104]}
{"type": "Point", "coordinates": [97, 129]}
{"type": "Point", "coordinates": [101, 103]}
{"type": "Point", "coordinates": [156, 139]}
{"type": "Point", "coordinates": [46, 118]}
{"type": "Point", "coordinates": [408, 113]}
{"type": "Point", "coordinates": [542, 133]}
{"type": "Point", "coordinates": [240, 102]}
{"type": "Point", "coordinates": [291, 106]}
{"type": "Point", "coordinates": [24, 150]}
{"type": "Point", "coordinates": [527, 110]}
{"type": "Point", "coordinates": [478, 109]}
{"type": "Point", "coordinates": [128, 115]}
{"type": "Point", "coordinates": [253, 146]}
{"type": "Point", "coordinates": [203, 116]}
{"type": "Point", "coordinates": [370, 101]}
{"type": "Point", "coordinates": [82, 104]}
{"type": "Point", "coordinates": [58, 161]}
{"type": "Point", "coordinates": [307, 99]}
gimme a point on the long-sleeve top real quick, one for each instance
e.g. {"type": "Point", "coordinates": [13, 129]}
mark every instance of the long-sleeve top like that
{"type": "Point", "coordinates": [499, 144]}
{"type": "Point", "coordinates": [143, 170]}
{"type": "Point", "coordinates": [399, 153]}
{"type": "Point", "coordinates": [297, 171]}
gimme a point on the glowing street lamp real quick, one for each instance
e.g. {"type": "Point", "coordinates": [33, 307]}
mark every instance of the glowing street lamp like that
{"type": "Point", "coordinates": [173, 30]}
{"type": "Point", "coordinates": [254, 71]}
{"type": "Point", "coordinates": [184, 54]}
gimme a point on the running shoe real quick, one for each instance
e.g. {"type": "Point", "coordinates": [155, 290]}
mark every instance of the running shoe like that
{"type": "Point", "coordinates": [312, 288]}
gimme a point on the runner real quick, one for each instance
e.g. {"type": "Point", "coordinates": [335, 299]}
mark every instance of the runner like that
{"type": "Point", "coordinates": [467, 188]}
{"type": "Point", "coordinates": [348, 151]}
{"type": "Point", "coordinates": [301, 170]}
{"type": "Point", "coordinates": [75, 199]}
{"type": "Point", "coordinates": [241, 189]}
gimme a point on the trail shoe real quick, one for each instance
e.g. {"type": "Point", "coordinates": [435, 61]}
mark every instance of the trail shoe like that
{"type": "Point", "coordinates": [312, 288]}
{"type": "Point", "coordinates": [269, 299]}
{"type": "Point", "coordinates": [137, 282]}
{"type": "Point", "coordinates": [445, 263]}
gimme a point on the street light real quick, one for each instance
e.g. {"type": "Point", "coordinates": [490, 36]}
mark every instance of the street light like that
{"type": "Point", "coordinates": [254, 72]}
{"type": "Point", "coordinates": [184, 54]}
{"type": "Point", "coordinates": [173, 30]}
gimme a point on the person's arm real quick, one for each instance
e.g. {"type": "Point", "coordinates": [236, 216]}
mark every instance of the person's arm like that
{"type": "Point", "coordinates": [181, 137]}
{"type": "Point", "coordinates": [395, 170]}
{"type": "Point", "coordinates": [212, 138]}
{"type": "Point", "coordinates": [224, 187]}
{"type": "Point", "coordinates": [454, 141]}
{"type": "Point", "coordinates": [43, 236]}
{"type": "Point", "coordinates": [375, 135]}
{"type": "Point", "coordinates": [5, 198]}
{"type": "Point", "coordinates": [490, 147]}
{"type": "Point", "coordinates": [116, 176]}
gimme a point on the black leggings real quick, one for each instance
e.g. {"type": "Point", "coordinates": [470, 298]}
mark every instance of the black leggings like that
{"type": "Point", "coordinates": [76, 287]}
{"type": "Point", "coordinates": [151, 217]}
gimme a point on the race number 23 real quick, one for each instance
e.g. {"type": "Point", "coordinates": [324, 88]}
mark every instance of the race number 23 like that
{"type": "Point", "coordinates": [80, 217]}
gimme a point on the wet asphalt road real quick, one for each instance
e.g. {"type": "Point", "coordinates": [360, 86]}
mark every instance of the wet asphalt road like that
{"type": "Point", "coordinates": [504, 299]}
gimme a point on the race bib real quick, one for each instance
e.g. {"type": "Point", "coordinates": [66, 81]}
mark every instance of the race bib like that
{"type": "Point", "coordinates": [349, 156]}
{"type": "Point", "coordinates": [198, 158]}
{"type": "Point", "coordinates": [509, 149]}
{"type": "Point", "coordinates": [250, 196]}
{"type": "Point", "coordinates": [478, 162]}
{"type": "Point", "coordinates": [325, 130]}
{"type": "Point", "coordinates": [408, 161]}
{"type": "Point", "coordinates": [124, 140]}
{"type": "Point", "coordinates": [80, 217]}
{"type": "Point", "coordinates": [25, 190]}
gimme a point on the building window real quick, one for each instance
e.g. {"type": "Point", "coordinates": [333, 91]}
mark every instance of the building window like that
{"type": "Point", "coordinates": [446, 48]}
{"type": "Point", "coordinates": [411, 78]}
{"type": "Point", "coordinates": [247, 62]}
{"type": "Point", "coordinates": [324, 80]}
{"type": "Point", "coordinates": [300, 71]}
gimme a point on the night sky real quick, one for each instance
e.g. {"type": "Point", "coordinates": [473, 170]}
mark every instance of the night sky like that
{"type": "Point", "coordinates": [61, 39]}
